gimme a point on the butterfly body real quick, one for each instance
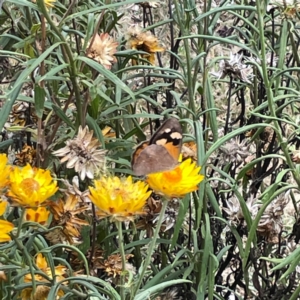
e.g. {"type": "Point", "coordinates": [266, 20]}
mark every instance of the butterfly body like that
{"type": "Point", "coordinates": [161, 152]}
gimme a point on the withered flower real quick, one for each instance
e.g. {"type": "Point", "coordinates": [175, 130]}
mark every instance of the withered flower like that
{"type": "Point", "coordinates": [26, 156]}
{"type": "Point", "coordinates": [189, 149]}
{"type": "Point", "coordinates": [234, 67]}
{"type": "Point", "coordinates": [19, 113]}
{"type": "Point", "coordinates": [73, 189]}
{"type": "Point", "coordinates": [234, 151]}
{"type": "Point", "coordinates": [113, 265]}
{"type": "Point", "coordinates": [235, 212]}
{"type": "Point", "coordinates": [270, 224]}
{"type": "Point", "coordinates": [83, 154]}
{"type": "Point", "coordinates": [144, 41]}
{"type": "Point", "coordinates": [102, 49]}
{"type": "Point", "coordinates": [153, 207]}
{"type": "Point", "coordinates": [65, 214]}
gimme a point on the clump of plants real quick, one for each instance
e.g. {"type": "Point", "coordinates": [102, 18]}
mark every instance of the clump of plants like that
{"type": "Point", "coordinates": [149, 150]}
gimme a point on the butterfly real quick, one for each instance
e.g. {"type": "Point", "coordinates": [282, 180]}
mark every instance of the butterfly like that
{"type": "Point", "coordinates": [161, 152]}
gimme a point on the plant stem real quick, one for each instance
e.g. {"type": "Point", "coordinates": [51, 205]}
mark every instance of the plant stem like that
{"type": "Point", "coordinates": [269, 91]}
{"type": "Point", "coordinates": [151, 248]}
{"type": "Point", "coordinates": [68, 55]}
{"type": "Point", "coordinates": [122, 253]}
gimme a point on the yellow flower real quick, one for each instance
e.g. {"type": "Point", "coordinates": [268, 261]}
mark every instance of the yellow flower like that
{"type": "Point", "coordinates": [5, 228]}
{"type": "Point", "coordinates": [38, 215]}
{"type": "Point", "coordinates": [178, 182]}
{"type": "Point", "coordinates": [31, 186]}
{"type": "Point", "coordinates": [48, 3]}
{"type": "Point", "coordinates": [42, 291]}
{"type": "Point", "coordinates": [119, 199]}
{"type": "Point", "coordinates": [4, 171]}
{"type": "Point", "coordinates": [3, 205]}
{"type": "Point", "coordinates": [144, 41]}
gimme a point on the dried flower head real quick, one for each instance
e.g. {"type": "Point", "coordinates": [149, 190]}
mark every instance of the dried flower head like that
{"type": "Point", "coordinates": [113, 265]}
{"type": "Point", "coordinates": [171, 294]}
{"type": "Point", "coordinates": [20, 112]}
{"type": "Point", "coordinates": [235, 212]}
{"type": "Point", "coordinates": [148, 222]}
{"type": "Point", "coordinates": [289, 8]}
{"type": "Point", "coordinates": [189, 149]}
{"type": "Point", "coordinates": [235, 68]}
{"type": "Point", "coordinates": [83, 154]}
{"type": "Point", "coordinates": [143, 41]}
{"type": "Point", "coordinates": [234, 151]}
{"type": "Point", "coordinates": [4, 171]}
{"type": "Point", "coordinates": [102, 48]}
{"type": "Point", "coordinates": [65, 214]}
{"type": "Point", "coordinates": [73, 189]}
{"type": "Point", "coordinates": [26, 156]}
{"type": "Point", "coordinates": [178, 182]}
{"type": "Point", "coordinates": [270, 225]}
{"type": "Point", "coordinates": [119, 199]}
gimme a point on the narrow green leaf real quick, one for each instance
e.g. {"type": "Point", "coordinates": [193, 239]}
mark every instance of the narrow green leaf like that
{"type": "Point", "coordinates": [39, 100]}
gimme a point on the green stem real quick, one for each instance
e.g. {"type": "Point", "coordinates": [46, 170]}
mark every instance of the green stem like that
{"type": "Point", "coordinates": [122, 253]}
{"type": "Point", "coordinates": [269, 91]}
{"type": "Point", "coordinates": [68, 55]}
{"type": "Point", "coordinates": [21, 222]}
{"type": "Point", "coordinates": [151, 248]}
{"type": "Point", "coordinates": [189, 75]}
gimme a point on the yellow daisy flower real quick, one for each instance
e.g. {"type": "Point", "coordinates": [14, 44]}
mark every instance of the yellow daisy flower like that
{"type": "Point", "coordinates": [119, 199]}
{"type": "Point", "coordinates": [177, 182]}
{"type": "Point", "coordinates": [42, 291]}
{"type": "Point", "coordinates": [31, 186]}
{"type": "Point", "coordinates": [4, 171]}
{"type": "Point", "coordinates": [38, 215]}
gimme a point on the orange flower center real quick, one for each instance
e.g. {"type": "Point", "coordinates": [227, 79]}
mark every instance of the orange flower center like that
{"type": "Point", "coordinates": [29, 185]}
{"type": "Point", "coordinates": [173, 176]}
{"type": "Point", "coordinates": [120, 192]}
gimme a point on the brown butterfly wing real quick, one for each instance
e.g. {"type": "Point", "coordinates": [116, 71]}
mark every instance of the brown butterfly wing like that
{"type": "Point", "coordinates": [137, 152]}
{"type": "Point", "coordinates": [153, 159]}
{"type": "Point", "coordinates": [169, 135]}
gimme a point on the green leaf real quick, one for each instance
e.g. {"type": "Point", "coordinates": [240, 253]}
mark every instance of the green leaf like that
{"type": "Point", "coordinates": [39, 100]}
{"type": "Point", "coordinates": [159, 287]}
{"type": "Point", "coordinates": [107, 74]}
{"type": "Point", "coordinates": [59, 112]}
